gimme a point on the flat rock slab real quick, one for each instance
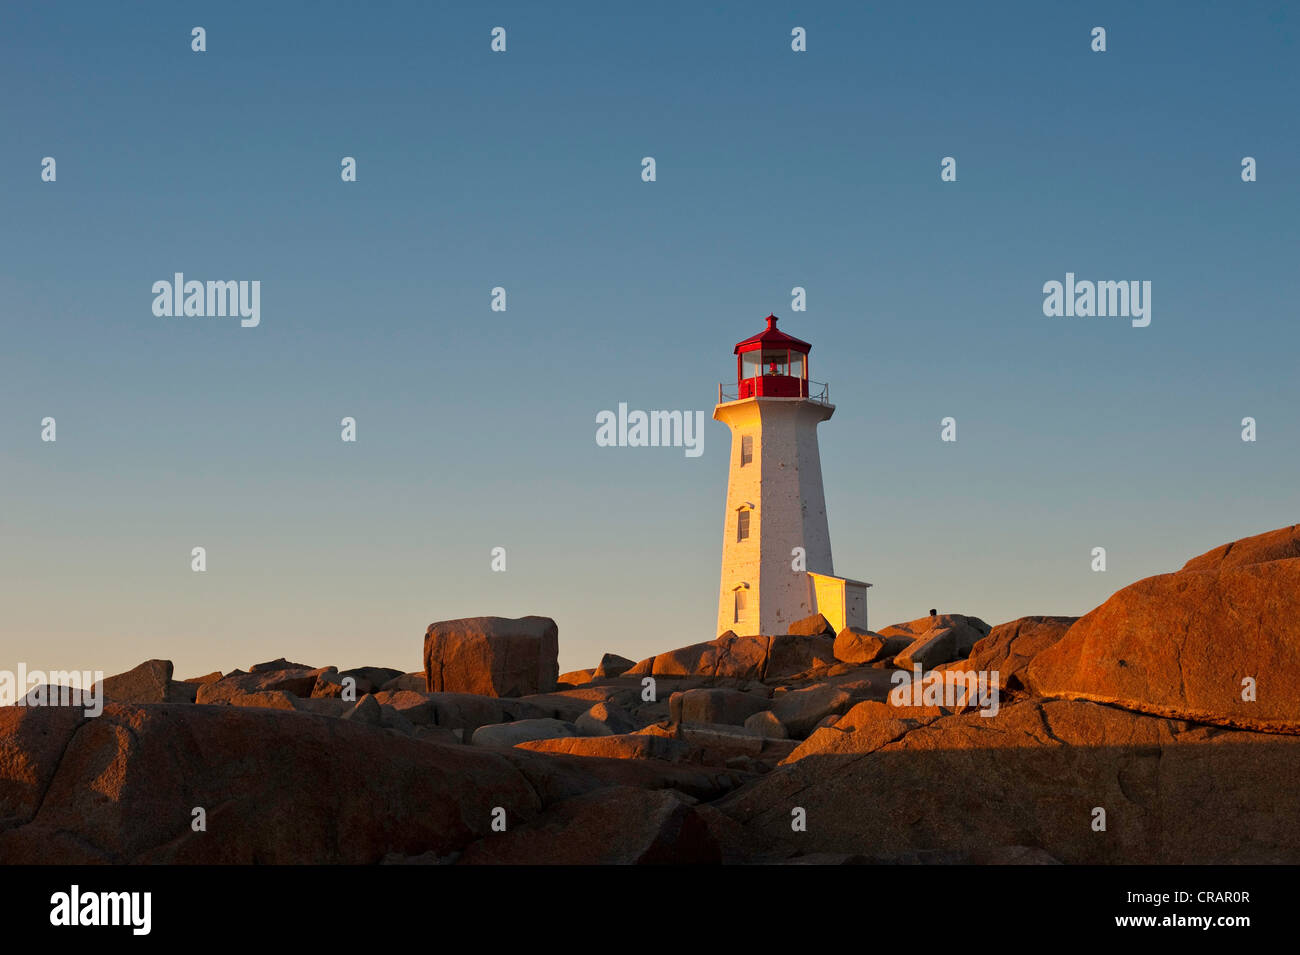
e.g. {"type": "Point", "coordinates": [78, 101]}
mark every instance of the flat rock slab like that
{"type": "Point", "coordinates": [620, 746]}
{"type": "Point", "coordinates": [511, 734]}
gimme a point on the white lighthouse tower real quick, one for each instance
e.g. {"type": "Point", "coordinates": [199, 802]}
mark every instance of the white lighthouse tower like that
{"type": "Point", "coordinates": [776, 545]}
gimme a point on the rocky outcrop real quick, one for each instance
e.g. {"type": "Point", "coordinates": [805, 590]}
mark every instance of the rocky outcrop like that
{"type": "Point", "coordinates": [276, 787]}
{"type": "Point", "coordinates": [492, 656]}
{"type": "Point", "coordinates": [606, 718]}
{"type": "Point", "coordinates": [1009, 647]}
{"type": "Point", "coordinates": [734, 745]}
{"type": "Point", "coordinates": [1281, 544]}
{"type": "Point", "coordinates": [32, 742]}
{"type": "Point", "coordinates": [965, 630]}
{"type": "Point", "coordinates": [618, 746]}
{"type": "Point", "coordinates": [467, 712]}
{"type": "Point", "coordinates": [265, 699]}
{"type": "Point", "coordinates": [793, 654]}
{"type": "Point", "coordinates": [1170, 708]}
{"type": "Point", "coordinates": [296, 681]}
{"type": "Point", "coordinates": [421, 709]}
{"type": "Point", "coordinates": [511, 734]}
{"type": "Point", "coordinates": [408, 681]}
{"type": "Point", "coordinates": [813, 626]}
{"type": "Point", "coordinates": [853, 645]}
{"type": "Point", "coordinates": [742, 658]}
{"type": "Point", "coordinates": [1217, 642]}
{"type": "Point", "coordinates": [150, 682]}
{"type": "Point", "coordinates": [766, 724]}
{"type": "Point", "coordinates": [729, 657]}
{"type": "Point", "coordinates": [618, 826]}
{"type": "Point", "coordinates": [1173, 792]}
{"type": "Point", "coordinates": [280, 663]}
{"type": "Point", "coordinates": [731, 707]}
{"type": "Point", "coordinates": [212, 677]}
{"type": "Point", "coordinates": [612, 665]}
{"type": "Point", "coordinates": [372, 679]}
{"type": "Point", "coordinates": [877, 722]}
{"type": "Point", "coordinates": [927, 651]}
{"type": "Point", "coordinates": [367, 710]}
{"type": "Point", "coordinates": [799, 711]}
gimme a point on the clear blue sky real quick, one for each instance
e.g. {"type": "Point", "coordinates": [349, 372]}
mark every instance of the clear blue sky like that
{"type": "Point", "coordinates": [476, 428]}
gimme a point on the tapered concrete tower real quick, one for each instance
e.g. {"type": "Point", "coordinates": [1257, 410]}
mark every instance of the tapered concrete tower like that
{"type": "Point", "coordinates": [776, 545]}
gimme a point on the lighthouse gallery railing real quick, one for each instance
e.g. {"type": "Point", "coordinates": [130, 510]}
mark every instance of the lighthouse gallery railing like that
{"type": "Point", "coordinates": [819, 391]}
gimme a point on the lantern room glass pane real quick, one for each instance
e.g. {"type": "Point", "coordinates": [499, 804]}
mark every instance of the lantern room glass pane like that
{"type": "Point", "coordinates": [776, 362]}
{"type": "Point", "coordinates": [797, 369]}
{"type": "Point", "coordinates": [749, 366]}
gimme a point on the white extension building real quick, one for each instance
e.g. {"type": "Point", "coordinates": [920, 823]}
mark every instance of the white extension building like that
{"type": "Point", "coordinates": [776, 546]}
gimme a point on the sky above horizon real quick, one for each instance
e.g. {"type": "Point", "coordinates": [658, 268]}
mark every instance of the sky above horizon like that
{"type": "Point", "coordinates": [476, 428]}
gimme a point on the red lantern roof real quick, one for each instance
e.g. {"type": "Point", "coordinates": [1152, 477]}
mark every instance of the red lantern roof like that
{"type": "Point", "coordinates": [772, 337]}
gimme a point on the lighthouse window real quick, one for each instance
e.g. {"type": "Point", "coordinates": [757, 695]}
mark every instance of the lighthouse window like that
{"type": "Point", "coordinates": [742, 525]}
{"type": "Point", "coordinates": [746, 449]}
{"type": "Point", "coordinates": [776, 362]}
{"type": "Point", "coordinates": [740, 604]}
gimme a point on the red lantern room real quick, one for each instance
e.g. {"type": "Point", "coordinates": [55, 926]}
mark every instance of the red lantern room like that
{"type": "Point", "coordinates": [772, 364]}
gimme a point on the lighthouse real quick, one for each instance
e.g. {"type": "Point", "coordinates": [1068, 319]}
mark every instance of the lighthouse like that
{"type": "Point", "coordinates": [776, 543]}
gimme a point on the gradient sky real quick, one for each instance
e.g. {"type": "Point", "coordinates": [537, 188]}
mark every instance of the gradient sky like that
{"type": "Point", "coordinates": [476, 429]}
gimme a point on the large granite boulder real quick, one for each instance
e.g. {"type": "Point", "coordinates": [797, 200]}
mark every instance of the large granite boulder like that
{"type": "Point", "coordinates": [729, 656]}
{"type": "Point", "coordinates": [1281, 544]}
{"type": "Point", "coordinates": [150, 682]}
{"type": "Point", "coordinates": [855, 645]}
{"type": "Point", "coordinates": [371, 679]}
{"type": "Point", "coordinates": [815, 625]}
{"type": "Point", "coordinates": [606, 718]}
{"type": "Point", "coordinates": [731, 707]}
{"type": "Point", "coordinates": [522, 731]}
{"type": "Point", "coordinates": [733, 657]}
{"type": "Point", "coordinates": [966, 630]}
{"type": "Point", "coordinates": [295, 681]}
{"type": "Point", "coordinates": [929, 649]}
{"type": "Point", "coordinates": [492, 656]}
{"type": "Point", "coordinates": [458, 711]}
{"type": "Point", "coordinates": [765, 723]}
{"type": "Point", "coordinates": [612, 665]}
{"type": "Point", "coordinates": [1009, 647]}
{"type": "Point", "coordinates": [799, 711]}
{"type": "Point", "coordinates": [1216, 642]}
{"type": "Point", "coordinates": [793, 653]}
